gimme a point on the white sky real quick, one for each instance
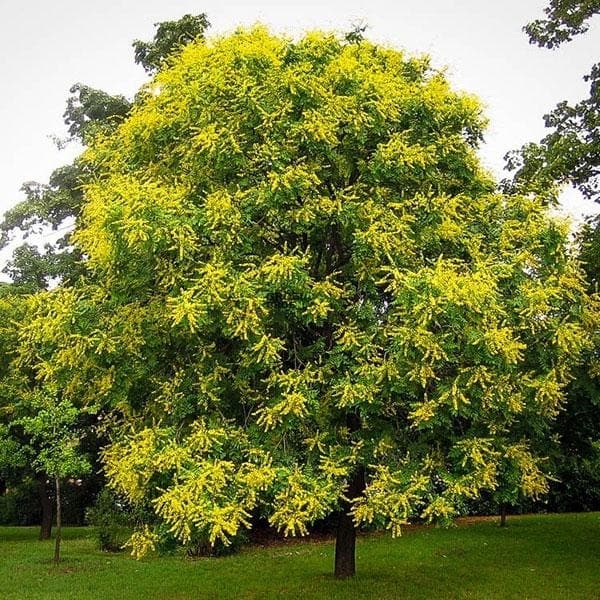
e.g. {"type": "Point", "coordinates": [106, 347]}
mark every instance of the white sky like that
{"type": "Point", "coordinates": [46, 46]}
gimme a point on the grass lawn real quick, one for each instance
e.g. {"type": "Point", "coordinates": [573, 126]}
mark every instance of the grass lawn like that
{"type": "Point", "coordinates": [545, 557]}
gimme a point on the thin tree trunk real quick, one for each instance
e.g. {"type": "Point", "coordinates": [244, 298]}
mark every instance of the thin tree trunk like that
{"type": "Point", "coordinates": [502, 514]}
{"type": "Point", "coordinates": [345, 541]}
{"type": "Point", "coordinates": [46, 506]}
{"type": "Point", "coordinates": [58, 521]}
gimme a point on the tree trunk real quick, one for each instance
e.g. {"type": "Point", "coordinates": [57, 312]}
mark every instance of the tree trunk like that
{"type": "Point", "coordinates": [503, 514]}
{"type": "Point", "coordinates": [58, 522]}
{"type": "Point", "coordinates": [46, 506]}
{"type": "Point", "coordinates": [345, 541]}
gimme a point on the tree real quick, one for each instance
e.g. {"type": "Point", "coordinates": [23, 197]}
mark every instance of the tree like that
{"type": "Point", "coordinates": [564, 20]}
{"type": "Point", "coordinates": [570, 152]}
{"type": "Point", "coordinates": [307, 297]}
{"type": "Point", "coordinates": [57, 204]}
{"type": "Point", "coordinates": [15, 452]}
{"type": "Point", "coordinates": [52, 429]}
{"type": "Point", "coordinates": [40, 435]}
{"type": "Point", "coordinates": [169, 39]}
{"type": "Point", "coordinates": [577, 454]}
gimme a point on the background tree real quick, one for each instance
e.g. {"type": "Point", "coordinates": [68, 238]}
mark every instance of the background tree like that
{"type": "Point", "coordinates": [57, 204]}
{"type": "Point", "coordinates": [15, 452]}
{"type": "Point", "coordinates": [307, 298]}
{"type": "Point", "coordinates": [169, 39]}
{"type": "Point", "coordinates": [576, 459]}
{"type": "Point", "coordinates": [570, 153]}
{"type": "Point", "coordinates": [23, 448]}
{"type": "Point", "coordinates": [564, 20]}
{"type": "Point", "coordinates": [52, 430]}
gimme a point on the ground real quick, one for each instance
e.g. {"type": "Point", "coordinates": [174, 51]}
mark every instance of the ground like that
{"type": "Point", "coordinates": [535, 557]}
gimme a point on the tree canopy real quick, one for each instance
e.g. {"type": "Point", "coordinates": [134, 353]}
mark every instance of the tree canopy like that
{"type": "Point", "coordinates": [56, 205]}
{"type": "Point", "coordinates": [169, 38]}
{"type": "Point", "coordinates": [571, 150]}
{"type": "Point", "coordinates": [307, 296]}
{"type": "Point", "coordinates": [569, 154]}
{"type": "Point", "coordinates": [564, 20]}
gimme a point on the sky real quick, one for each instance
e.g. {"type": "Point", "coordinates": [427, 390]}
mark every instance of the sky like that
{"type": "Point", "coordinates": [47, 46]}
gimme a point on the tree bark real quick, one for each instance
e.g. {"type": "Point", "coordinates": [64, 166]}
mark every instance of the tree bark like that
{"type": "Point", "coordinates": [58, 522]}
{"type": "Point", "coordinates": [503, 514]}
{"type": "Point", "coordinates": [345, 541]}
{"type": "Point", "coordinates": [46, 506]}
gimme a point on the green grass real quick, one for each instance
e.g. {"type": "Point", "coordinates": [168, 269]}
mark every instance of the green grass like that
{"type": "Point", "coordinates": [545, 557]}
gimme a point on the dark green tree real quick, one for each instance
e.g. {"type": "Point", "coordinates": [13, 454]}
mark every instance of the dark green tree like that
{"type": "Point", "coordinates": [570, 153]}
{"type": "Point", "coordinates": [16, 453]}
{"type": "Point", "coordinates": [90, 110]}
{"type": "Point", "coordinates": [577, 462]}
{"type": "Point", "coordinates": [56, 205]}
{"type": "Point", "coordinates": [169, 38]}
{"type": "Point", "coordinates": [564, 20]}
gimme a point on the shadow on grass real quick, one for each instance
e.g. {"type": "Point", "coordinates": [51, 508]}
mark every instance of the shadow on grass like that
{"type": "Point", "coordinates": [30, 534]}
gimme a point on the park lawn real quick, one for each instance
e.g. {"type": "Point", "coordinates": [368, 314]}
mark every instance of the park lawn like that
{"type": "Point", "coordinates": [545, 557]}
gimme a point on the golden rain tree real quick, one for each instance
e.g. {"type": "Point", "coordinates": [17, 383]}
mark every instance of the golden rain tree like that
{"type": "Point", "coordinates": [307, 298]}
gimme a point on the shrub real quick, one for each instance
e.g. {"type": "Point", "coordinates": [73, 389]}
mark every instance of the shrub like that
{"type": "Point", "coordinates": [112, 519]}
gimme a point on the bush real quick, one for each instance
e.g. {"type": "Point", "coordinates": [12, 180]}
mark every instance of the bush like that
{"type": "Point", "coordinates": [20, 505]}
{"type": "Point", "coordinates": [201, 546]}
{"type": "Point", "coordinates": [112, 520]}
{"type": "Point", "coordinates": [577, 485]}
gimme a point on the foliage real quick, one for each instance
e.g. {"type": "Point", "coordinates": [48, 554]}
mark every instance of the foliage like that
{"type": "Point", "coordinates": [569, 153]}
{"type": "Point", "coordinates": [57, 204]}
{"type": "Point", "coordinates": [32, 270]}
{"type": "Point", "coordinates": [589, 251]}
{"type": "Point", "coordinates": [14, 454]}
{"type": "Point", "coordinates": [300, 270]}
{"type": "Point", "coordinates": [169, 38]}
{"type": "Point", "coordinates": [48, 204]}
{"type": "Point", "coordinates": [203, 547]}
{"type": "Point", "coordinates": [51, 429]}
{"type": "Point", "coordinates": [111, 519]}
{"type": "Point", "coordinates": [19, 505]}
{"type": "Point", "coordinates": [577, 458]}
{"type": "Point", "coordinates": [90, 111]}
{"type": "Point", "coordinates": [114, 520]}
{"type": "Point", "coordinates": [564, 20]}
{"type": "Point", "coordinates": [40, 432]}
